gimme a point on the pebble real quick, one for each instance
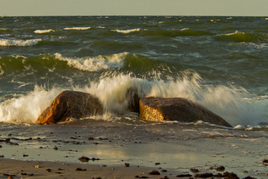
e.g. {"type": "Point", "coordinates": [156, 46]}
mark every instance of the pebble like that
{"type": "Point", "coordinates": [203, 175]}
{"type": "Point", "coordinates": [193, 170]}
{"type": "Point", "coordinates": [84, 159]}
{"type": "Point", "coordinates": [184, 175]}
{"type": "Point", "coordinates": [265, 162]}
{"type": "Point", "coordinates": [81, 169]}
{"type": "Point", "coordinates": [220, 168]}
{"type": "Point", "coordinates": [154, 172]}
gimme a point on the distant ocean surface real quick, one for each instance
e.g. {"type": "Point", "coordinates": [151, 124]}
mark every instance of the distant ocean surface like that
{"type": "Point", "coordinates": [219, 62]}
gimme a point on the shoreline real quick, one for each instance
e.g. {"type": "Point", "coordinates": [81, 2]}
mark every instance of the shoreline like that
{"type": "Point", "coordinates": [172, 147]}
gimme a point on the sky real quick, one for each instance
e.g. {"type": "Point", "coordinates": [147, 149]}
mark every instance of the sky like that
{"type": "Point", "coordinates": [134, 7]}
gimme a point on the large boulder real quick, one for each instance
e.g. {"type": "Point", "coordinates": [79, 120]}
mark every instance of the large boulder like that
{"type": "Point", "coordinates": [70, 104]}
{"type": "Point", "coordinates": [177, 109]}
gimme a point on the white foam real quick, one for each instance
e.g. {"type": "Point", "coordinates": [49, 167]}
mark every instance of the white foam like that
{"type": "Point", "coordinates": [127, 31]}
{"type": "Point", "coordinates": [228, 102]}
{"type": "Point", "coordinates": [234, 33]}
{"type": "Point", "coordinates": [77, 28]}
{"type": "Point", "coordinates": [95, 63]}
{"type": "Point", "coordinates": [44, 31]}
{"type": "Point", "coordinates": [19, 43]}
{"type": "Point", "coordinates": [185, 29]}
{"type": "Point", "coordinates": [26, 109]}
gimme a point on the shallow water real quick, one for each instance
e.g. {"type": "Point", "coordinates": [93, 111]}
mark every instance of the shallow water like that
{"type": "Point", "coordinates": [176, 147]}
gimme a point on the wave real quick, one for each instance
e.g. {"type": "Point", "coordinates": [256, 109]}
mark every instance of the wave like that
{"type": "Point", "coordinates": [77, 28]}
{"type": "Point", "coordinates": [3, 29]}
{"type": "Point", "coordinates": [95, 63]}
{"type": "Point", "coordinates": [127, 31]}
{"type": "Point", "coordinates": [44, 31]}
{"type": "Point", "coordinates": [227, 101]}
{"type": "Point", "coordinates": [238, 36]}
{"type": "Point", "coordinates": [175, 33]}
{"type": "Point", "coordinates": [38, 63]}
{"type": "Point", "coordinates": [115, 45]}
{"type": "Point", "coordinates": [19, 42]}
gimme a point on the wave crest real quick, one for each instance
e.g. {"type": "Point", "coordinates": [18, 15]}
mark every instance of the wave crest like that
{"type": "Point", "coordinates": [95, 63]}
{"type": "Point", "coordinates": [44, 31]}
{"type": "Point", "coordinates": [238, 36]}
{"type": "Point", "coordinates": [19, 42]}
{"type": "Point", "coordinates": [77, 28]}
{"type": "Point", "coordinates": [127, 31]}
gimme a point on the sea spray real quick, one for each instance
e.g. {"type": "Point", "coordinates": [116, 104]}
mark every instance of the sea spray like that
{"type": "Point", "coordinates": [228, 102]}
{"type": "Point", "coordinates": [19, 42]}
{"type": "Point", "coordinates": [25, 109]}
{"type": "Point", "coordinates": [95, 63]}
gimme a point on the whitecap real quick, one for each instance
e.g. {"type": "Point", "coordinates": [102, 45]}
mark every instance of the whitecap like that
{"type": "Point", "coordinates": [19, 43]}
{"type": "Point", "coordinates": [44, 31]}
{"type": "Point", "coordinates": [95, 63]}
{"type": "Point", "coordinates": [127, 31]}
{"type": "Point", "coordinates": [77, 28]}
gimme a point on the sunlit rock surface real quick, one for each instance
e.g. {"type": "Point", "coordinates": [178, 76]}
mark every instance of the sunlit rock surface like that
{"type": "Point", "coordinates": [70, 104]}
{"type": "Point", "coordinates": [177, 109]}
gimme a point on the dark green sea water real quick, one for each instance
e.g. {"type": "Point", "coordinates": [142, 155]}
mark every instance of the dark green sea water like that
{"type": "Point", "coordinates": [219, 62]}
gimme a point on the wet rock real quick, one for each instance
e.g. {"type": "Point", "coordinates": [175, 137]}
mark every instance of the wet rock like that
{"type": "Point", "coordinates": [84, 159]}
{"type": "Point", "coordinates": [177, 109]}
{"type": "Point", "coordinates": [133, 100]}
{"type": "Point", "coordinates": [204, 175]}
{"type": "Point", "coordinates": [230, 175]}
{"type": "Point", "coordinates": [183, 175]}
{"type": "Point", "coordinates": [68, 105]}
{"type": "Point", "coordinates": [194, 170]}
{"type": "Point", "coordinates": [220, 169]}
{"type": "Point", "coordinates": [154, 172]}
{"type": "Point", "coordinates": [91, 138]}
{"type": "Point", "coordinates": [265, 162]}
{"type": "Point", "coordinates": [81, 169]}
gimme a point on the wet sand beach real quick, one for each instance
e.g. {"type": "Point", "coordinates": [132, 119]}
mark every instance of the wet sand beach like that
{"type": "Point", "coordinates": [96, 148]}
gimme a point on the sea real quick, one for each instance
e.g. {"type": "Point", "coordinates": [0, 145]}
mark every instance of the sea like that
{"type": "Point", "coordinates": [218, 62]}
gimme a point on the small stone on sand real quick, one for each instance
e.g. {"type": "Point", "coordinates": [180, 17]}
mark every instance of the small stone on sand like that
{"type": "Point", "coordinates": [84, 159]}
{"type": "Point", "coordinates": [154, 172]}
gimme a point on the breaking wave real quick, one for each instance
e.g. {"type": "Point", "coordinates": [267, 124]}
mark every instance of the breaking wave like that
{"type": "Point", "coordinates": [44, 31]}
{"type": "Point", "coordinates": [77, 28]}
{"type": "Point", "coordinates": [229, 102]}
{"type": "Point", "coordinates": [127, 31]}
{"type": "Point", "coordinates": [19, 42]}
{"type": "Point", "coordinates": [57, 61]}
